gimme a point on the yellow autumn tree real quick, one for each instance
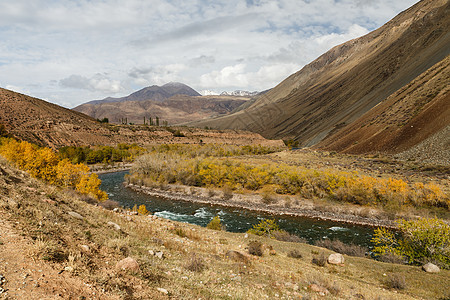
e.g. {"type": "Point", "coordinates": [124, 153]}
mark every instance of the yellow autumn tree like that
{"type": "Point", "coordinates": [89, 184]}
{"type": "Point", "coordinates": [68, 174]}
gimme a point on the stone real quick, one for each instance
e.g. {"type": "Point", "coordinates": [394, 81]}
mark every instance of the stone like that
{"type": "Point", "coordinates": [319, 289]}
{"type": "Point", "coordinates": [151, 252]}
{"type": "Point", "coordinates": [336, 259]}
{"type": "Point", "coordinates": [128, 264]}
{"type": "Point", "coordinates": [159, 254]}
{"type": "Point", "coordinates": [164, 291]}
{"type": "Point", "coordinates": [75, 215]}
{"type": "Point", "coordinates": [114, 225]}
{"type": "Point", "coordinates": [431, 268]}
{"type": "Point", "coordinates": [272, 252]}
{"type": "Point", "coordinates": [85, 249]}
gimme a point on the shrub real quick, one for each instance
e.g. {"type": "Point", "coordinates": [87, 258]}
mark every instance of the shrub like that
{"type": "Point", "coordinates": [215, 224]}
{"type": "Point", "coordinates": [421, 241]}
{"type": "Point", "coordinates": [340, 247]}
{"type": "Point", "coordinates": [295, 254]}
{"type": "Point", "coordinates": [255, 248]}
{"type": "Point", "coordinates": [265, 228]}
{"type": "Point", "coordinates": [142, 210]}
{"type": "Point", "coordinates": [285, 236]}
{"type": "Point", "coordinates": [195, 263]}
{"type": "Point", "coordinates": [227, 192]}
{"type": "Point", "coordinates": [320, 260]}
{"type": "Point", "coordinates": [395, 281]}
{"type": "Point", "coordinates": [109, 204]}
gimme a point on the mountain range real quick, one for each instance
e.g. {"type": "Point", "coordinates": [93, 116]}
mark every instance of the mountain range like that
{"type": "Point", "coordinates": [173, 102]}
{"type": "Point", "coordinates": [366, 94]}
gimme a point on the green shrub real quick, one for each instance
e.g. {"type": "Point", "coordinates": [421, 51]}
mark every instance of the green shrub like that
{"type": "Point", "coordinates": [267, 227]}
{"type": "Point", "coordinates": [215, 224]}
{"type": "Point", "coordinates": [421, 241]}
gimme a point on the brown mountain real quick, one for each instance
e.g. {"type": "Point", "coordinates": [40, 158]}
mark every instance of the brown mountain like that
{"type": "Point", "coordinates": [173, 102]}
{"type": "Point", "coordinates": [47, 124]}
{"type": "Point", "coordinates": [348, 81]}
{"type": "Point", "coordinates": [154, 92]}
{"type": "Point", "coordinates": [175, 110]}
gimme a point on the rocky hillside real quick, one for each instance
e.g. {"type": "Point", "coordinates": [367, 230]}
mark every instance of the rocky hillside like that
{"type": "Point", "coordinates": [47, 124]}
{"type": "Point", "coordinates": [417, 113]}
{"type": "Point", "coordinates": [349, 80]}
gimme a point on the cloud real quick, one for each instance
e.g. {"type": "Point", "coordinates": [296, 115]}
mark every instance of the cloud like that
{"type": "Point", "coordinates": [100, 48]}
{"type": "Point", "coordinates": [98, 82]}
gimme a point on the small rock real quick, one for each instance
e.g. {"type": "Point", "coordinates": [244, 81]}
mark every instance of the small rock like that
{"type": "Point", "coordinates": [164, 291]}
{"type": "Point", "coordinates": [114, 225]}
{"type": "Point", "coordinates": [319, 289]}
{"type": "Point", "coordinates": [336, 259]}
{"type": "Point", "coordinates": [246, 235]}
{"type": "Point", "coordinates": [85, 249]}
{"type": "Point", "coordinates": [69, 269]}
{"type": "Point", "coordinates": [129, 219]}
{"type": "Point", "coordinates": [159, 254]}
{"type": "Point", "coordinates": [116, 209]}
{"type": "Point", "coordinates": [128, 264]}
{"type": "Point", "coordinates": [272, 252]}
{"type": "Point", "coordinates": [12, 203]}
{"type": "Point", "coordinates": [75, 215]}
{"type": "Point", "coordinates": [151, 252]}
{"type": "Point", "coordinates": [431, 268]}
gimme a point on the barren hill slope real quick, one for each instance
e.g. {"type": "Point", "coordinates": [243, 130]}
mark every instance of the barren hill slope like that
{"type": "Point", "coordinates": [47, 124]}
{"type": "Point", "coordinates": [408, 117]}
{"type": "Point", "coordinates": [350, 79]}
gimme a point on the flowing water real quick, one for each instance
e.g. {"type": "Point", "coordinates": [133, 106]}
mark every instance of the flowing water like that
{"type": "Point", "coordinates": [235, 219]}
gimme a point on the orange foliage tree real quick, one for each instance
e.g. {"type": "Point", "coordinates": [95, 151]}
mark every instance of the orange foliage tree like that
{"type": "Point", "coordinates": [44, 163]}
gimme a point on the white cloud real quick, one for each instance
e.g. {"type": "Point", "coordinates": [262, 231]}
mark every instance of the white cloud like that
{"type": "Point", "coordinates": [94, 49]}
{"type": "Point", "coordinates": [99, 82]}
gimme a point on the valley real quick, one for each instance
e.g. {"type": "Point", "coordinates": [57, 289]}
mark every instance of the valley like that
{"type": "Point", "coordinates": [332, 184]}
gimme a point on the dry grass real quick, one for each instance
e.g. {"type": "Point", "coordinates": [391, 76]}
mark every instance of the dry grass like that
{"type": "Point", "coordinates": [243, 277]}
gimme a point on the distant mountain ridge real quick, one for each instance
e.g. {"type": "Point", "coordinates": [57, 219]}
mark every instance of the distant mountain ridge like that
{"type": "Point", "coordinates": [173, 102]}
{"type": "Point", "coordinates": [154, 92]}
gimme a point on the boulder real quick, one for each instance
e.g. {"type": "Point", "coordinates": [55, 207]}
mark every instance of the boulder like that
{"type": "Point", "coordinates": [75, 215]}
{"type": "Point", "coordinates": [336, 259]}
{"type": "Point", "coordinates": [85, 249]}
{"type": "Point", "coordinates": [431, 268]}
{"type": "Point", "coordinates": [128, 264]}
{"type": "Point", "coordinates": [114, 225]}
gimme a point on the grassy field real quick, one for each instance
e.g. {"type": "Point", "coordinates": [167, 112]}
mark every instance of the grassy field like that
{"type": "Point", "coordinates": [197, 263]}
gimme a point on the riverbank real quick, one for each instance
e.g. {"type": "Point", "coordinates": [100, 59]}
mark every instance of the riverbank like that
{"type": "Point", "coordinates": [102, 169]}
{"type": "Point", "coordinates": [287, 206]}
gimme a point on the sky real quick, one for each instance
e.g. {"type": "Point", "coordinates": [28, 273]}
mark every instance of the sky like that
{"type": "Point", "coordinates": [72, 51]}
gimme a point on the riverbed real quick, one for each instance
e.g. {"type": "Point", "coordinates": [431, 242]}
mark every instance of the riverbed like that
{"type": "Point", "coordinates": [235, 219]}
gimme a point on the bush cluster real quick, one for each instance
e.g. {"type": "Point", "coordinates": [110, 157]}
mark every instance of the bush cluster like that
{"type": "Point", "coordinates": [101, 154]}
{"type": "Point", "coordinates": [340, 247]}
{"type": "Point", "coordinates": [174, 166]}
{"type": "Point", "coordinates": [421, 241]}
{"type": "Point", "coordinates": [44, 163]}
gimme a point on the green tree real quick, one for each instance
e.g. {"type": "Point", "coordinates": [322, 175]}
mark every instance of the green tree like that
{"type": "Point", "coordinates": [421, 241]}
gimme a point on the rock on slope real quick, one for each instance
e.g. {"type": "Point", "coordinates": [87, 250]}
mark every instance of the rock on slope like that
{"type": "Point", "coordinates": [349, 80]}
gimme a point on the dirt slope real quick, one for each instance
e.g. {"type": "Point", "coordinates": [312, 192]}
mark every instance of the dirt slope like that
{"type": "Point", "coordinates": [350, 79]}
{"type": "Point", "coordinates": [414, 113]}
{"type": "Point", "coordinates": [46, 124]}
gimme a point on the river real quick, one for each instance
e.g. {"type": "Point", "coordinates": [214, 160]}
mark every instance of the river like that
{"type": "Point", "coordinates": [235, 219]}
